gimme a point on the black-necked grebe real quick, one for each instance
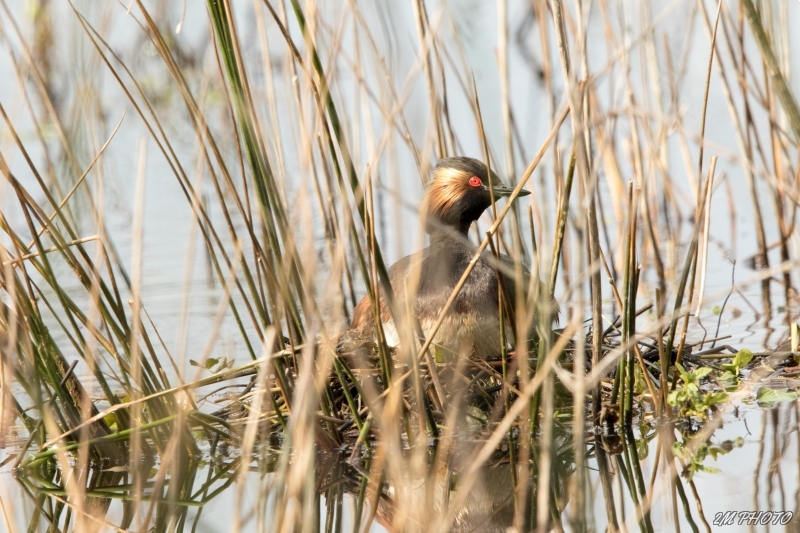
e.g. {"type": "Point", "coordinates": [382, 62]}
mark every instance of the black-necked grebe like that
{"type": "Point", "coordinates": [456, 197]}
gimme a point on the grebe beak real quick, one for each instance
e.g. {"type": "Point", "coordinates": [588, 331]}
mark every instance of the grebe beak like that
{"type": "Point", "coordinates": [501, 191]}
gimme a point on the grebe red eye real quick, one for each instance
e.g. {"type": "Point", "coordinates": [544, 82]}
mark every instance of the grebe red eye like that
{"type": "Point", "coordinates": [475, 181]}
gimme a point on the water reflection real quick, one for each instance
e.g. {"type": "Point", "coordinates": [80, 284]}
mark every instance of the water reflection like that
{"type": "Point", "coordinates": [159, 497]}
{"type": "Point", "coordinates": [749, 463]}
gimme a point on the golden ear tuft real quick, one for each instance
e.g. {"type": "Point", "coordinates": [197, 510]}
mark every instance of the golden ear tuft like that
{"type": "Point", "coordinates": [444, 190]}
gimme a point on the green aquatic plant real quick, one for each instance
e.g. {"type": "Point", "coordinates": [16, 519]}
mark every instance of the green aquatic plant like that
{"type": "Point", "coordinates": [695, 457]}
{"type": "Point", "coordinates": [766, 397]}
{"type": "Point", "coordinates": [690, 399]}
{"type": "Point", "coordinates": [733, 369]}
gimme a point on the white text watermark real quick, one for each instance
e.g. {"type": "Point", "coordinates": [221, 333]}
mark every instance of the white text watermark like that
{"type": "Point", "coordinates": [753, 518]}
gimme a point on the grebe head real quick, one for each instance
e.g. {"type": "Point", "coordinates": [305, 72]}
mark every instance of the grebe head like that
{"type": "Point", "coordinates": [459, 193]}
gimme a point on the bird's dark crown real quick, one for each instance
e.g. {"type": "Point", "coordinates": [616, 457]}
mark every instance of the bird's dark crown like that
{"type": "Point", "coordinates": [459, 193]}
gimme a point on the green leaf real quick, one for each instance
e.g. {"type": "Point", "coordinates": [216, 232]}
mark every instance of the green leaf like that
{"type": "Point", "coordinates": [707, 469]}
{"type": "Point", "coordinates": [677, 450]}
{"type": "Point", "coordinates": [715, 452]}
{"type": "Point", "coordinates": [742, 357]}
{"type": "Point", "coordinates": [111, 421]}
{"type": "Point", "coordinates": [715, 398]}
{"type": "Point", "coordinates": [672, 398]}
{"type": "Point", "coordinates": [700, 373]}
{"type": "Point", "coordinates": [684, 374]}
{"type": "Point", "coordinates": [638, 384]}
{"type": "Point", "coordinates": [767, 397]}
{"type": "Point", "coordinates": [642, 448]}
